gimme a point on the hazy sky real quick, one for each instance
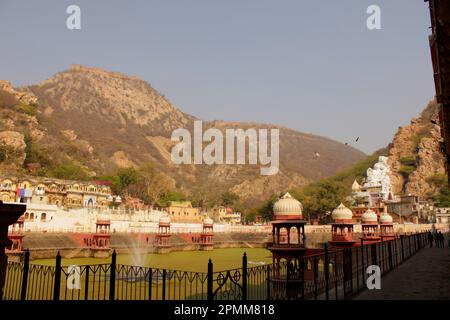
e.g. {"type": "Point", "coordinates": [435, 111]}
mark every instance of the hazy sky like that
{"type": "Point", "coordinates": [309, 65]}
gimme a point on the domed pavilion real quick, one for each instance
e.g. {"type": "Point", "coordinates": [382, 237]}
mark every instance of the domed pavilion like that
{"type": "Point", "coordinates": [369, 226]}
{"type": "Point", "coordinates": [162, 240]}
{"type": "Point", "coordinates": [342, 227]}
{"type": "Point", "coordinates": [288, 245]}
{"type": "Point", "coordinates": [386, 227]}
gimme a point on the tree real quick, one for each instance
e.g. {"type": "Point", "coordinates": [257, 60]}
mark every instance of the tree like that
{"type": "Point", "coordinates": [229, 198]}
{"type": "Point", "coordinates": [33, 154]}
{"type": "Point", "coordinates": [126, 177]}
{"type": "Point", "coordinates": [321, 198]}
{"type": "Point", "coordinates": [266, 211]}
{"type": "Point", "coordinates": [173, 196]}
{"type": "Point", "coordinates": [151, 185]}
{"type": "Point", "coordinates": [441, 195]}
{"type": "Point", "coordinates": [70, 172]}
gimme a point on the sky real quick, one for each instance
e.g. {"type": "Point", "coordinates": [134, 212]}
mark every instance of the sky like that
{"type": "Point", "coordinates": [312, 66]}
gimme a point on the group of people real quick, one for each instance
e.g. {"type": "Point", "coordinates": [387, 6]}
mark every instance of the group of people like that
{"type": "Point", "coordinates": [438, 239]}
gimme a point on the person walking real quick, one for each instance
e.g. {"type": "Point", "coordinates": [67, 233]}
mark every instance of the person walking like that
{"type": "Point", "coordinates": [436, 239]}
{"type": "Point", "coordinates": [430, 239]}
{"type": "Point", "coordinates": [441, 239]}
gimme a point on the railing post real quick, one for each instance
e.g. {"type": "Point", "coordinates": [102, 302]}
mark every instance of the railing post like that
{"type": "Point", "coordinates": [316, 271]}
{"type": "Point", "coordinates": [373, 250]}
{"type": "Point", "coordinates": [244, 276]}
{"type": "Point", "coordinates": [150, 281]}
{"type": "Point", "coordinates": [112, 277]}
{"type": "Point", "coordinates": [57, 284]}
{"type": "Point", "coordinates": [336, 278]}
{"type": "Point", "coordinates": [26, 268]}
{"type": "Point", "coordinates": [409, 246]}
{"type": "Point", "coordinates": [86, 284]}
{"type": "Point", "coordinates": [210, 281]}
{"type": "Point", "coordinates": [357, 268]}
{"type": "Point", "coordinates": [302, 268]}
{"type": "Point", "coordinates": [402, 247]}
{"type": "Point", "coordinates": [327, 274]}
{"type": "Point", "coordinates": [347, 267]}
{"type": "Point", "coordinates": [268, 282]}
{"type": "Point", "coordinates": [390, 255]}
{"type": "Point", "coordinates": [164, 284]}
{"type": "Point", "coordinates": [363, 272]}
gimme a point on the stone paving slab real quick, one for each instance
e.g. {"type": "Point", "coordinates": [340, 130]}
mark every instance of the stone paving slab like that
{"type": "Point", "coordinates": [425, 276]}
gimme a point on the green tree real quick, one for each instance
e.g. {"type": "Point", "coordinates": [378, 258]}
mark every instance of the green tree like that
{"type": "Point", "coordinates": [126, 177]}
{"type": "Point", "coordinates": [442, 196]}
{"type": "Point", "coordinates": [320, 198]}
{"type": "Point", "coordinates": [70, 172]}
{"type": "Point", "coordinates": [152, 186]}
{"type": "Point", "coordinates": [115, 183]}
{"type": "Point", "coordinates": [266, 211]}
{"type": "Point", "coordinates": [229, 198]}
{"type": "Point", "coordinates": [173, 196]}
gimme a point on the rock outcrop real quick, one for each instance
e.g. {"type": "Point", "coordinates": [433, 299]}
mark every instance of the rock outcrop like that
{"type": "Point", "coordinates": [415, 156]}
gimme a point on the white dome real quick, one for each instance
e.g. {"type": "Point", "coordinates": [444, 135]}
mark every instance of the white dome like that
{"type": "Point", "coordinates": [342, 213]}
{"type": "Point", "coordinates": [110, 198]}
{"type": "Point", "coordinates": [164, 219]}
{"type": "Point", "coordinates": [356, 186]}
{"type": "Point", "coordinates": [118, 199]}
{"type": "Point", "coordinates": [287, 206]}
{"type": "Point", "coordinates": [208, 221]}
{"type": "Point", "coordinates": [369, 216]}
{"type": "Point", "coordinates": [386, 218]}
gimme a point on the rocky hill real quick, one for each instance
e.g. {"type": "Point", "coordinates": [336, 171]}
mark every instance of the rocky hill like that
{"type": "Point", "coordinates": [415, 157]}
{"type": "Point", "coordinates": [102, 121]}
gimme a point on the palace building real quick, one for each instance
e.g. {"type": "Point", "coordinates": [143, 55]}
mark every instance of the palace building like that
{"type": "Point", "coordinates": [63, 193]}
{"type": "Point", "coordinates": [183, 211]}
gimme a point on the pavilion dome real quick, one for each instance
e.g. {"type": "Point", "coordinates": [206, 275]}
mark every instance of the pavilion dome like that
{"type": "Point", "coordinates": [386, 218]}
{"type": "Point", "coordinates": [288, 206]}
{"type": "Point", "coordinates": [208, 222]}
{"type": "Point", "coordinates": [369, 216]}
{"type": "Point", "coordinates": [342, 213]}
{"type": "Point", "coordinates": [356, 186]}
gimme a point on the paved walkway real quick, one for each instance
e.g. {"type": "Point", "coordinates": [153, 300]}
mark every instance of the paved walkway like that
{"type": "Point", "coordinates": [425, 276]}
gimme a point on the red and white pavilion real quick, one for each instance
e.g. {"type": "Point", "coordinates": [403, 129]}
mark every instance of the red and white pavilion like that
{"type": "Point", "coordinates": [386, 227]}
{"type": "Point", "coordinates": [369, 226]}
{"type": "Point", "coordinates": [342, 228]}
{"type": "Point", "coordinates": [101, 246]}
{"type": "Point", "coordinates": [162, 239]}
{"type": "Point", "coordinates": [16, 234]}
{"type": "Point", "coordinates": [288, 245]}
{"type": "Point", "coordinates": [206, 237]}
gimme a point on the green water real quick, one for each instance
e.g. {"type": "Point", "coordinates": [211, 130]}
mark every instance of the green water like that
{"type": "Point", "coordinates": [222, 259]}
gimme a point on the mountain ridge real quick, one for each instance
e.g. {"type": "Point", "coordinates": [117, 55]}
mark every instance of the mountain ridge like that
{"type": "Point", "coordinates": [104, 120]}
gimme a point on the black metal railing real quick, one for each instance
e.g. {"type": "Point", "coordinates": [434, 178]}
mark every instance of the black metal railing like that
{"type": "Point", "coordinates": [332, 274]}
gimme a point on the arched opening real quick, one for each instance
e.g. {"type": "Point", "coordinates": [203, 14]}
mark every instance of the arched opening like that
{"type": "Point", "coordinates": [43, 217]}
{"type": "Point", "coordinates": [293, 235]}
